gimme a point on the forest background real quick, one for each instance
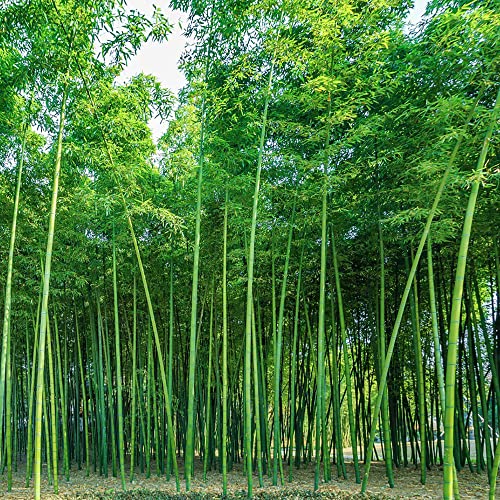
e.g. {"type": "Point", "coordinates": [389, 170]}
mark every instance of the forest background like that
{"type": "Point", "coordinates": [306, 259]}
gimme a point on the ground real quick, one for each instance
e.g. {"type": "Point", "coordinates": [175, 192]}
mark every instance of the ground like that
{"type": "Point", "coordinates": [407, 485]}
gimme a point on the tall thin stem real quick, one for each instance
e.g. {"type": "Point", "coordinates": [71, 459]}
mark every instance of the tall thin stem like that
{"type": "Point", "coordinates": [455, 316]}
{"type": "Point", "coordinates": [37, 466]}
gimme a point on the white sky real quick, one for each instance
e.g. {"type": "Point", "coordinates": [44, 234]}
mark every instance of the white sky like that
{"type": "Point", "coordinates": [161, 59]}
{"type": "Point", "coordinates": [418, 11]}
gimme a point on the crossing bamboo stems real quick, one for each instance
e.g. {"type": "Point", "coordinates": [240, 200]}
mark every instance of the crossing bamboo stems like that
{"type": "Point", "coordinates": [293, 375]}
{"type": "Point", "coordinates": [382, 349]}
{"type": "Point", "coordinates": [209, 387]}
{"type": "Point", "coordinates": [455, 315]}
{"type": "Point", "coordinates": [84, 399]}
{"type": "Point", "coordinates": [406, 293]}
{"type": "Point", "coordinates": [347, 364]}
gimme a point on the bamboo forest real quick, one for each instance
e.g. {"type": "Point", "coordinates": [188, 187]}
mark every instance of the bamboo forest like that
{"type": "Point", "coordinates": [290, 291]}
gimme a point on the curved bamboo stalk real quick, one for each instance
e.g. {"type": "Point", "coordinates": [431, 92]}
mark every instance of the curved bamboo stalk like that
{"type": "Point", "coordinates": [455, 317]}
{"type": "Point", "coordinates": [406, 292]}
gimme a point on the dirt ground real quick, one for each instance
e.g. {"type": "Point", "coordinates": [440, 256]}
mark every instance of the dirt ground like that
{"type": "Point", "coordinates": [407, 485]}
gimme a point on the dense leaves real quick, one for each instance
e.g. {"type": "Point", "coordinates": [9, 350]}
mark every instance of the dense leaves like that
{"type": "Point", "coordinates": [350, 119]}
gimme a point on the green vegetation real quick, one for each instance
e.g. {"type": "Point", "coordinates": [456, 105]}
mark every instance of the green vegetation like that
{"type": "Point", "coordinates": [258, 287]}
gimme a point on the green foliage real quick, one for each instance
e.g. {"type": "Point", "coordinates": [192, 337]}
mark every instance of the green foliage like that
{"type": "Point", "coordinates": [361, 111]}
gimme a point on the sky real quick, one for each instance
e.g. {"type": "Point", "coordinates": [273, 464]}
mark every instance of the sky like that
{"type": "Point", "coordinates": [161, 59]}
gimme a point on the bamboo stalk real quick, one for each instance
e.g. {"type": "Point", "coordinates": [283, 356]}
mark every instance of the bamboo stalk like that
{"type": "Point", "coordinates": [119, 396]}
{"type": "Point", "coordinates": [45, 301]}
{"type": "Point", "coordinates": [407, 289]}
{"type": "Point", "coordinates": [224, 352]}
{"type": "Point", "coordinates": [347, 364]}
{"type": "Point", "coordinates": [455, 316]}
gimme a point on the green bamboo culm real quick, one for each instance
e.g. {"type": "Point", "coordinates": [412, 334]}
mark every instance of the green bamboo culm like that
{"type": "Point", "coordinates": [435, 331]}
{"type": "Point", "coordinates": [8, 414]}
{"type": "Point", "coordinates": [257, 400]}
{"type": "Point", "coordinates": [482, 393]}
{"type": "Point", "coordinates": [437, 352]}
{"type": "Point", "coordinates": [320, 360]}
{"type": "Point", "coordinates": [293, 376]}
{"type": "Point", "coordinates": [333, 367]}
{"type": "Point", "coordinates": [163, 377]}
{"type": "Point", "coordinates": [10, 270]}
{"type": "Point", "coordinates": [170, 353]}
{"type": "Point", "coordinates": [249, 305]}
{"type": "Point", "coordinates": [119, 397]}
{"type": "Point", "coordinates": [347, 365]}
{"type": "Point", "coordinates": [133, 377]}
{"type": "Point", "coordinates": [385, 401]}
{"type": "Point", "coordinates": [494, 472]}
{"type": "Point", "coordinates": [29, 441]}
{"type": "Point", "coordinates": [190, 430]}
{"type": "Point", "coordinates": [97, 348]}
{"type": "Point", "coordinates": [224, 352]}
{"type": "Point", "coordinates": [47, 439]}
{"type": "Point", "coordinates": [208, 405]}
{"type": "Point", "coordinates": [417, 349]}
{"type": "Point", "coordinates": [53, 411]}
{"type": "Point", "coordinates": [84, 399]}
{"type": "Point", "coordinates": [110, 406]}
{"type": "Point", "coordinates": [278, 350]}
{"type": "Point", "coordinates": [406, 293]}
{"type": "Point", "coordinates": [455, 316]}
{"type": "Point", "coordinates": [320, 373]}
{"type": "Point", "coordinates": [189, 456]}
{"type": "Point", "coordinates": [149, 397]}
{"type": "Point", "coordinates": [37, 465]}
{"type": "Point", "coordinates": [62, 398]}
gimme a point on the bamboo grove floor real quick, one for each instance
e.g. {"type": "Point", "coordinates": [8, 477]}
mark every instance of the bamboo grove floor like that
{"type": "Point", "coordinates": [407, 485]}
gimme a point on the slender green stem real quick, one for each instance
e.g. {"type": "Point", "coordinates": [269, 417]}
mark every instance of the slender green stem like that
{"type": "Point", "coordinates": [119, 396]}
{"type": "Point", "coordinates": [189, 455]}
{"type": "Point", "coordinates": [347, 364]}
{"type": "Point", "coordinates": [494, 472]}
{"type": "Point", "coordinates": [293, 376]}
{"type": "Point", "coordinates": [10, 270]}
{"type": "Point", "coordinates": [406, 293]}
{"type": "Point", "coordinates": [278, 350]}
{"type": "Point", "coordinates": [455, 316]}
{"type": "Point", "coordinates": [62, 397]}
{"type": "Point", "coordinates": [8, 414]}
{"type": "Point", "coordinates": [224, 353]}
{"type": "Point", "coordinates": [133, 385]}
{"type": "Point", "coordinates": [84, 399]}
{"type": "Point", "coordinates": [53, 411]}
{"type": "Point", "coordinates": [385, 401]}
{"type": "Point", "coordinates": [209, 387]}
{"type": "Point", "coordinates": [248, 317]}
{"type": "Point", "coordinates": [45, 302]}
